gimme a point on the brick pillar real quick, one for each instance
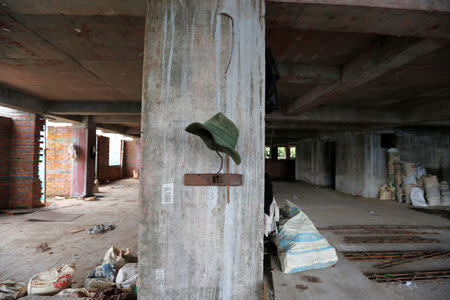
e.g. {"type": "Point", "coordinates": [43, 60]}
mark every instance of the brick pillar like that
{"type": "Point", "coordinates": [83, 166]}
{"type": "Point", "coordinates": [201, 57]}
{"type": "Point", "coordinates": [24, 183]}
{"type": "Point", "coordinates": [5, 155]}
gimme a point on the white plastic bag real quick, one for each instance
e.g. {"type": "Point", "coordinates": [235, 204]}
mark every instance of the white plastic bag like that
{"type": "Point", "coordinates": [52, 281]}
{"type": "Point", "coordinates": [127, 276]}
{"type": "Point", "coordinates": [300, 246]}
{"type": "Point", "coordinates": [417, 198]}
{"type": "Point", "coordinates": [117, 257]}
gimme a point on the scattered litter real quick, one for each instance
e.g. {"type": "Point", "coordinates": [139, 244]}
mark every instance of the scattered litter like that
{"type": "Point", "coordinates": [300, 246]}
{"type": "Point", "coordinates": [52, 216]}
{"type": "Point", "coordinates": [10, 290]}
{"type": "Point", "coordinates": [118, 257]}
{"type": "Point", "coordinates": [43, 247]}
{"type": "Point", "coordinates": [93, 198]}
{"type": "Point", "coordinates": [52, 281]}
{"type": "Point", "coordinates": [117, 186]}
{"type": "Point", "coordinates": [96, 185]}
{"type": "Point", "coordinates": [74, 293]}
{"type": "Point", "coordinates": [127, 277]}
{"type": "Point", "coordinates": [100, 228]}
{"type": "Point", "coordinates": [75, 229]}
{"type": "Point", "coordinates": [112, 293]}
{"type": "Point", "coordinates": [60, 198]}
{"type": "Point", "coordinates": [102, 276]}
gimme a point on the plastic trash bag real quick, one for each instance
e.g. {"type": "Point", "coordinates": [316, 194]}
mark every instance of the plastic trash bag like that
{"type": "Point", "coordinates": [11, 290]}
{"type": "Point", "coordinates": [417, 198]}
{"type": "Point", "coordinates": [102, 276]}
{"type": "Point", "coordinates": [52, 281]}
{"type": "Point", "coordinates": [74, 293]}
{"type": "Point", "coordinates": [127, 276]}
{"type": "Point", "coordinates": [100, 228]}
{"type": "Point", "coordinates": [300, 246]}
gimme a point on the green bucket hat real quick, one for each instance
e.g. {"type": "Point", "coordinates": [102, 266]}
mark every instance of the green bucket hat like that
{"type": "Point", "coordinates": [218, 133]}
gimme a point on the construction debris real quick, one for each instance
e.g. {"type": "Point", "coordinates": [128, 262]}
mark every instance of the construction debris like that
{"type": "Point", "coordinates": [410, 276]}
{"type": "Point", "coordinates": [387, 239]}
{"type": "Point", "coordinates": [414, 259]}
{"type": "Point", "coordinates": [386, 255]}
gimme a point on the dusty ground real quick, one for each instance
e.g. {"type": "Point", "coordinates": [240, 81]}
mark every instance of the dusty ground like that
{"type": "Point", "coordinates": [20, 256]}
{"type": "Point", "coordinates": [346, 280]}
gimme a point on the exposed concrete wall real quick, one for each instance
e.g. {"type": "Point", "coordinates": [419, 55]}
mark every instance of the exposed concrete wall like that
{"type": "Point", "coordinates": [310, 163]}
{"type": "Point", "coordinates": [201, 57]}
{"type": "Point", "coordinates": [429, 149]}
{"type": "Point", "coordinates": [360, 164]}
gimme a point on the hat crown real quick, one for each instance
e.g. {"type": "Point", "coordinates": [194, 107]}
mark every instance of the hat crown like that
{"type": "Point", "coordinates": [224, 128]}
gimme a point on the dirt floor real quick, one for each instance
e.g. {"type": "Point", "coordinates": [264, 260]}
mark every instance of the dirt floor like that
{"type": "Point", "coordinates": [346, 280]}
{"type": "Point", "coordinates": [22, 247]}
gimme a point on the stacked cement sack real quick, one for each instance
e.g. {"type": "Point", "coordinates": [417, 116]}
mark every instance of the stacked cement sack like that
{"type": "Point", "coordinates": [445, 192]}
{"type": "Point", "coordinates": [432, 192]}
{"type": "Point", "coordinates": [405, 181]}
{"type": "Point", "coordinates": [393, 165]}
{"type": "Point", "coordinates": [409, 180]}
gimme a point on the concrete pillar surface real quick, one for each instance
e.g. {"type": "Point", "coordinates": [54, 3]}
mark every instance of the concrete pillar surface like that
{"type": "Point", "coordinates": [201, 57]}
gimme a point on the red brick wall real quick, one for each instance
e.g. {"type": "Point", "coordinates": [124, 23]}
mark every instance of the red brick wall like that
{"type": "Point", "coordinates": [58, 161]}
{"type": "Point", "coordinates": [5, 153]}
{"type": "Point", "coordinates": [105, 173]}
{"type": "Point", "coordinates": [131, 158]}
{"type": "Point", "coordinates": [24, 183]}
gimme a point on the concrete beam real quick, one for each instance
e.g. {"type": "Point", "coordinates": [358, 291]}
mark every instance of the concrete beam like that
{"type": "Point", "coordinates": [340, 115]}
{"type": "Point", "coordinates": [138, 7]}
{"type": "Point", "coordinates": [92, 108]}
{"type": "Point", "coordinates": [19, 101]}
{"type": "Point", "coordinates": [306, 74]}
{"type": "Point", "coordinates": [117, 119]}
{"type": "Point", "coordinates": [390, 53]}
{"type": "Point", "coordinates": [134, 131]}
{"type": "Point", "coordinates": [424, 5]}
{"type": "Point", "coordinates": [117, 129]}
{"type": "Point", "coordinates": [79, 8]}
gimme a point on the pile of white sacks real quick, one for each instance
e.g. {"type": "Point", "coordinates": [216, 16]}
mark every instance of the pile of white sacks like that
{"type": "Point", "coordinates": [411, 184]}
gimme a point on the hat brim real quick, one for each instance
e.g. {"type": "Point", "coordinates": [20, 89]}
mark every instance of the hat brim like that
{"type": "Point", "coordinates": [212, 141]}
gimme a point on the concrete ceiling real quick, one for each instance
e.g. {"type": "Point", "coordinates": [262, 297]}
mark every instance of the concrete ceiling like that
{"type": "Point", "coordinates": [363, 60]}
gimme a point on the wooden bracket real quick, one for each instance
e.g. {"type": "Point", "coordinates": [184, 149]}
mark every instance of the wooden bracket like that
{"type": "Point", "coordinates": [212, 179]}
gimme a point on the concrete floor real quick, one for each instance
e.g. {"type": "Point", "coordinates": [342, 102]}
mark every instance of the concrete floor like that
{"type": "Point", "coordinates": [346, 280]}
{"type": "Point", "coordinates": [20, 257]}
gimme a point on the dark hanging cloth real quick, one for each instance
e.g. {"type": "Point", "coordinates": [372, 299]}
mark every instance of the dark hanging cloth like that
{"type": "Point", "coordinates": [268, 193]}
{"type": "Point", "coordinates": [272, 76]}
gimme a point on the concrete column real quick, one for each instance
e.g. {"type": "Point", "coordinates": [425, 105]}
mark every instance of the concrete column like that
{"type": "Point", "coordinates": [201, 57]}
{"type": "Point", "coordinates": [83, 166]}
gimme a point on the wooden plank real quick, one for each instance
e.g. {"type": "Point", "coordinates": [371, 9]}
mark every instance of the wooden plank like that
{"type": "Point", "coordinates": [387, 55]}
